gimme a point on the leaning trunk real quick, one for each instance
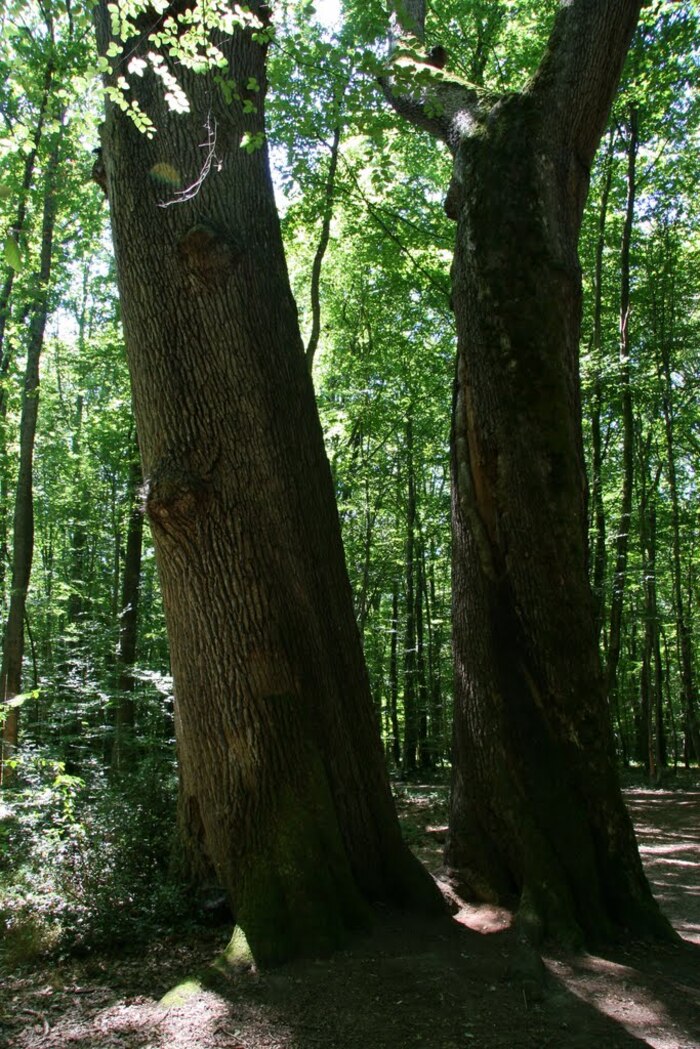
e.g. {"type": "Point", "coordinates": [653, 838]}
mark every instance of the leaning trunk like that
{"type": "Point", "coordinates": [536, 814]}
{"type": "Point", "coordinates": [284, 793]}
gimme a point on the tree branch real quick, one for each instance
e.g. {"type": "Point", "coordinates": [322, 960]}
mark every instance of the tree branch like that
{"type": "Point", "coordinates": [430, 98]}
{"type": "Point", "coordinates": [580, 71]}
{"type": "Point", "coordinates": [329, 195]}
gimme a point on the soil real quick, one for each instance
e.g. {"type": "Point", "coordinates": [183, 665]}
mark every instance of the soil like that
{"type": "Point", "coordinates": [461, 983]}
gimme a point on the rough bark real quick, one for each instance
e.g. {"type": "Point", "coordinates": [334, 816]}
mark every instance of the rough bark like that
{"type": "Point", "coordinates": [283, 786]}
{"type": "Point", "coordinates": [537, 815]}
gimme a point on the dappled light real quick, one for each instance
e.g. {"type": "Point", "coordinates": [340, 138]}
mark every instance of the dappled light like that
{"type": "Point", "coordinates": [442, 986]}
{"type": "Point", "coordinates": [618, 992]}
{"type": "Point", "coordinates": [671, 859]}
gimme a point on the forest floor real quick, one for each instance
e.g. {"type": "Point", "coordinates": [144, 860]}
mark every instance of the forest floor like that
{"type": "Point", "coordinates": [448, 984]}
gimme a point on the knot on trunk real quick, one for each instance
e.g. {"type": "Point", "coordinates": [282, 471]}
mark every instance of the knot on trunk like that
{"type": "Point", "coordinates": [208, 256]}
{"type": "Point", "coordinates": [455, 198]}
{"type": "Point", "coordinates": [99, 171]}
{"type": "Point", "coordinates": [176, 497]}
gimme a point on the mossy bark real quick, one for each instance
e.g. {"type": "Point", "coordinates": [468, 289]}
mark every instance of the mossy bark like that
{"type": "Point", "coordinates": [284, 794]}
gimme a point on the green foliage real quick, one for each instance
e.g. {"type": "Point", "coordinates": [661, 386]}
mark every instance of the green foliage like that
{"type": "Point", "coordinates": [84, 863]}
{"type": "Point", "coordinates": [13, 256]}
{"type": "Point", "coordinates": [659, 95]}
{"type": "Point", "coordinates": [179, 40]}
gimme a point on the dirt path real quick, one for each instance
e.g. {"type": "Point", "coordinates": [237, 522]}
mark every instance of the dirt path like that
{"type": "Point", "coordinates": [445, 985]}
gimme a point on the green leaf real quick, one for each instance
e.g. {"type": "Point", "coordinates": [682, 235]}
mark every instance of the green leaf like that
{"type": "Point", "coordinates": [251, 142]}
{"type": "Point", "coordinates": [13, 256]}
{"type": "Point", "coordinates": [137, 66]}
{"type": "Point", "coordinates": [18, 701]}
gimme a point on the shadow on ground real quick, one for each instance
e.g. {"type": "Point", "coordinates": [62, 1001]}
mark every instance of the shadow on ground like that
{"type": "Point", "coordinates": [438, 985]}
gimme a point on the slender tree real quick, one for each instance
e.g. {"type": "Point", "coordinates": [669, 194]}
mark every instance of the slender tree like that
{"type": "Point", "coordinates": [665, 321]}
{"type": "Point", "coordinates": [125, 713]}
{"type": "Point", "coordinates": [599, 553]}
{"type": "Point", "coordinates": [622, 539]}
{"type": "Point", "coordinates": [23, 520]}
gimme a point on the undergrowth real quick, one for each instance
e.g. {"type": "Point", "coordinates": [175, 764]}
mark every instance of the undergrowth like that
{"type": "Point", "coordinates": [84, 861]}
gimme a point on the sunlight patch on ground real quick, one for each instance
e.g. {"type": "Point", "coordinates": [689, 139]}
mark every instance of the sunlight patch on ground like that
{"type": "Point", "coordinates": [623, 997]}
{"type": "Point", "coordinates": [484, 917]}
{"type": "Point", "coordinates": [205, 1018]}
{"type": "Point", "coordinates": [664, 850]}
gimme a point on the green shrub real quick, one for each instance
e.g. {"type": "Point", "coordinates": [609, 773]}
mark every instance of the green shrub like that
{"type": "Point", "coordinates": [84, 862]}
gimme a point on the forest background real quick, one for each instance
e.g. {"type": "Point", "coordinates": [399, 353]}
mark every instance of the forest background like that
{"type": "Point", "coordinates": [86, 830]}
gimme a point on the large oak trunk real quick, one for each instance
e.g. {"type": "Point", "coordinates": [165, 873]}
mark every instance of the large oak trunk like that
{"type": "Point", "coordinates": [283, 788]}
{"type": "Point", "coordinates": [537, 814]}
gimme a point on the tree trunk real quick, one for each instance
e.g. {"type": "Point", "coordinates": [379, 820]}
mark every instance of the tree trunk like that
{"type": "Point", "coordinates": [75, 606]}
{"type": "Point", "coordinates": [425, 754]}
{"type": "Point", "coordinates": [284, 792]}
{"type": "Point", "coordinates": [315, 294]}
{"type": "Point", "coordinates": [625, 381]}
{"type": "Point", "coordinates": [654, 736]}
{"type": "Point", "coordinates": [125, 720]}
{"type": "Point", "coordinates": [437, 719]}
{"type": "Point", "coordinates": [394, 676]}
{"type": "Point", "coordinates": [536, 813]}
{"type": "Point", "coordinates": [23, 524]}
{"type": "Point", "coordinates": [410, 708]}
{"type": "Point", "coordinates": [683, 629]}
{"type": "Point", "coordinates": [17, 227]}
{"type": "Point", "coordinates": [599, 557]}
{"type": "Point", "coordinates": [16, 230]}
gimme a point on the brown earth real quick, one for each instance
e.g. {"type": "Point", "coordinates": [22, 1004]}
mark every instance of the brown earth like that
{"type": "Point", "coordinates": [461, 983]}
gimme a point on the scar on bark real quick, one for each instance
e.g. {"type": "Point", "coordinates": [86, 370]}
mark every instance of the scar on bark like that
{"type": "Point", "coordinates": [176, 497]}
{"type": "Point", "coordinates": [454, 200]}
{"type": "Point", "coordinates": [208, 255]}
